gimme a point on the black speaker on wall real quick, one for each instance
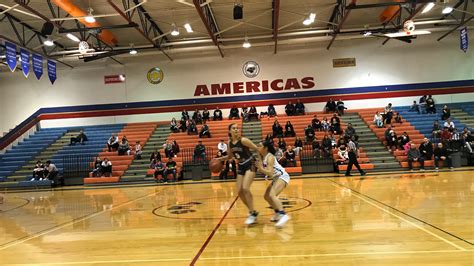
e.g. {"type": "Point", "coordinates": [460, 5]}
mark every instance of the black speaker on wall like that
{"type": "Point", "coordinates": [47, 29]}
{"type": "Point", "coordinates": [238, 12]}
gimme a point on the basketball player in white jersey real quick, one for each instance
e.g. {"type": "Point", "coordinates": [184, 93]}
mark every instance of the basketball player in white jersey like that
{"type": "Point", "coordinates": [271, 168]}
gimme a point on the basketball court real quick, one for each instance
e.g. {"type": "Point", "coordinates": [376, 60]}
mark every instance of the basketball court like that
{"type": "Point", "coordinates": [384, 219]}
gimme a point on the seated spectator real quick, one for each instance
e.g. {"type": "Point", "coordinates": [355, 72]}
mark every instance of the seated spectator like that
{"type": "Point", "coordinates": [222, 147]}
{"type": "Point", "coordinates": [229, 165]}
{"type": "Point", "coordinates": [392, 140]}
{"type": "Point", "coordinates": [253, 115]}
{"type": "Point", "coordinates": [192, 128]}
{"type": "Point", "coordinates": [309, 134]}
{"type": "Point", "coordinates": [51, 172]}
{"type": "Point", "coordinates": [289, 130]}
{"type": "Point", "coordinates": [378, 120]}
{"type": "Point", "coordinates": [422, 103]}
{"type": "Point", "coordinates": [327, 146]}
{"type": "Point", "coordinates": [175, 148]}
{"type": "Point", "coordinates": [316, 123]}
{"type": "Point", "coordinates": [38, 171]}
{"type": "Point", "coordinates": [124, 147]}
{"type": "Point", "coordinates": [340, 107]}
{"type": "Point", "coordinates": [184, 115]}
{"type": "Point", "coordinates": [205, 131]}
{"type": "Point", "coordinates": [170, 168]}
{"type": "Point", "coordinates": [325, 124]}
{"type": "Point", "coordinates": [279, 155]}
{"type": "Point", "coordinates": [97, 171]}
{"type": "Point", "coordinates": [430, 105]}
{"type": "Point", "coordinates": [271, 111]}
{"type": "Point", "coordinates": [113, 142]}
{"type": "Point", "coordinates": [445, 113]}
{"type": "Point", "coordinates": [436, 131]}
{"type": "Point", "coordinates": [281, 144]}
{"type": "Point", "coordinates": [441, 154]}
{"type": "Point", "coordinates": [106, 168]}
{"type": "Point", "coordinates": [316, 148]}
{"type": "Point", "coordinates": [234, 113]}
{"type": "Point", "coordinates": [299, 108]}
{"type": "Point", "coordinates": [468, 139]}
{"type": "Point", "coordinates": [330, 106]}
{"type": "Point", "coordinates": [269, 137]}
{"type": "Point", "coordinates": [335, 126]}
{"type": "Point", "coordinates": [342, 141]}
{"type": "Point", "coordinates": [290, 157]}
{"type": "Point", "coordinates": [415, 107]}
{"type": "Point", "coordinates": [199, 152]}
{"type": "Point", "coordinates": [426, 149]}
{"type": "Point", "coordinates": [414, 155]}
{"type": "Point", "coordinates": [445, 135]}
{"type": "Point", "coordinates": [79, 138]}
{"type": "Point", "coordinates": [138, 150]}
{"type": "Point", "coordinates": [397, 118]}
{"type": "Point", "coordinates": [217, 114]}
{"type": "Point", "coordinates": [245, 113]}
{"type": "Point", "coordinates": [159, 168]}
{"type": "Point", "coordinates": [342, 155]}
{"type": "Point", "coordinates": [174, 126]}
{"type": "Point", "coordinates": [155, 155]}
{"type": "Point", "coordinates": [350, 131]}
{"type": "Point", "coordinates": [206, 115]}
{"type": "Point", "coordinates": [403, 139]}
{"type": "Point", "coordinates": [388, 114]}
{"type": "Point", "coordinates": [449, 124]}
{"type": "Point", "coordinates": [168, 147]}
{"type": "Point", "coordinates": [290, 109]}
{"type": "Point", "coordinates": [183, 125]}
{"type": "Point", "coordinates": [197, 117]}
{"type": "Point", "coordinates": [277, 129]}
{"type": "Point", "coordinates": [298, 145]}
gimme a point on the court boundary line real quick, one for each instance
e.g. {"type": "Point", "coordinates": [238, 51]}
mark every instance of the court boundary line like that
{"type": "Point", "coordinates": [208, 240]}
{"type": "Point", "coordinates": [399, 217]}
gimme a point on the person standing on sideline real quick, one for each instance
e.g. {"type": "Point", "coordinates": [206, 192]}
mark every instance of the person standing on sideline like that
{"type": "Point", "coordinates": [353, 154]}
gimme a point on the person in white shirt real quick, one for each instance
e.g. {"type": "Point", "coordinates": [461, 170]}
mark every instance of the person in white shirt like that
{"type": "Point", "coordinates": [106, 168]}
{"type": "Point", "coordinates": [378, 120]}
{"type": "Point", "coordinates": [449, 124]}
{"type": "Point", "coordinates": [113, 142]}
{"type": "Point", "coordinates": [138, 150]}
{"type": "Point", "coordinates": [222, 147]}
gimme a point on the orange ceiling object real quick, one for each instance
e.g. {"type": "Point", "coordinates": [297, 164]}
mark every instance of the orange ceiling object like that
{"type": "Point", "coordinates": [389, 13]}
{"type": "Point", "coordinates": [105, 35]}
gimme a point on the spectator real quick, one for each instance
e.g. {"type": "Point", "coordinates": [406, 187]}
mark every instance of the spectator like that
{"type": "Point", "coordinates": [124, 147]}
{"type": "Point", "coordinates": [51, 172]}
{"type": "Point", "coordinates": [446, 113]}
{"type": "Point", "coordinates": [168, 147]}
{"type": "Point", "coordinates": [245, 113]}
{"type": "Point", "coordinates": [397, 118]}
{"type": "Point", "coordinates": [234, 113]}
{"type": "Point", "coordinates": [38, 171]}
{"type": "Point", "coordinates": [290, 109]}
{"type": "Point", "coordinates": [414, 155]}
{"type": "Point", "coordinates": [340, 107]}
{"type": "Point", "coordinates": [392, 143]}
{"type": "Point", "coordinates": [350, 131]}
{"type": "Point", "coordinates": [316, 148]}
{"type": "Point", "coordinates": [441, 154]}
{"type": "Point", "coordinates": [298, 145]}
{"type": "Point", "coordinates": [106, 168]}
{"type": "Point", "coordinates": [217, 114]}
{"type": "Point", "coordinates": [79, 138]}
{"type": "Point", "coordinates": [436, 131]}
{"type": "Point", "coordinates": [415, 107]}
{"type": "Point", "coordinates": [197, 117]}
{"type": "Point", "coordinates": [155, 155]}
{"type": "Point", "coordinates": [299, 108]}
{"type": "Point", "coordinates": [174, 126]}
{"type": "Point", "coordinates": [388, 114]}
{"type": "Point", "coordinates": [290, 157]}
{"type": "Point", "coordinates": [342, 155]}
{"type": "Point", "coordinates": [229, 165]}
{"type": "Point", "coordinates": [378, 120]}
{"type": "Point", "coordinates": [327, 146]}
{"type": "Point", "coordinates": [341, 141]}
{"type": "Point", "coordinates": [279, 155]}
{"type": "Point", "coordinates": [170, 168]}
{"type": "Point", "coordinates": [175, 148]}
{"type": "Point", "coordinates": [335, 125]}
{"type": "Point", "coordinates": [468, 139]}
{"type": "Point", "coordinates": [192, 129]}
{"type": "Point", "coordinates": [289, 130]}
{"type": "Point", "coordinates": [430, 105]}
{"type": "Point", "coordinates": [445, 135]}
{"type": "Point", "coordinates": [309, 134]}
{"type": "Point", "coordinates": [184, 115]}
{"type": "Point", "coordinates": [330, 106]}
{"type": "Point", "coordinates": [113, 142]}
{"type": "Point", "coordinates": [205, 131]}
{"type": "Point", "coordinates": [449, 124]}
{"type": "Point", "coordinates": [222, 147]}
{"type": "Point", "coordinates": [325, 124]}
{"type": "Point", "coordinates": [281, 144]}
{"type": "Point", "coordinates": [426, 149]}
{"type": "Point", "coordinates": [97, 171]}
{"type": "Point", "coordinates": [422, 102]}
{"type": "Point", "coordinates": [199, 152]}
{"type": "Point", "coordinates": [206, 115]}
{"type": "Point", "coordinates": [277, 129]}
{"type": "Point", "coordinates": [403, 140]}
{"type": "Point", "coordinates": [138, 150]}
{"type": "Point", "coordinates": [271, 111]}
{"type": "Point", "coordinates": [253, 115]}
{"type": "Point", "coordinates": [182, 125]}
{"type": "Point", "coordinates": [316, 123]}
{"type": "Point", "coordinates": [159, 168]}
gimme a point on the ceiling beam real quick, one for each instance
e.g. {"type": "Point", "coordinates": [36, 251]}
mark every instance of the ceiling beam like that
{"type": "Point", "coordinates": [463, 22]}
{"type": "Point", "coordinates": [345, 13]}
{"type": "Point", "coordinates": [129, 25]}
{"type": "Point", "coordinates": [209, 22]}
{"type": "Point", "coordinates": [275, 20]}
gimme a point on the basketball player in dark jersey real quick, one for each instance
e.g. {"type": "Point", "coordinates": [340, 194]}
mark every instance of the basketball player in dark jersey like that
{"type": "Point", "coordinates": [239, 148]}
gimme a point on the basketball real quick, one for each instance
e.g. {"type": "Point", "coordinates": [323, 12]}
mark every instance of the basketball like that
{"type": "Point", "coordinates": [215, 166]}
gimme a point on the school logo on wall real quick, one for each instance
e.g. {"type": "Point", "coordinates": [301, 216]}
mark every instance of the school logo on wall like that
{"type": "Point", "coordinates": [155, 75]}
{"type": "Point", "coordinates": [251, 69]}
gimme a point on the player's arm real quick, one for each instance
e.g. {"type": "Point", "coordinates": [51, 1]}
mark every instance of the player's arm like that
{"type": "Point", "coordinates": [249, 144]}
{"type": "Point", "coordinates": [268, 171]}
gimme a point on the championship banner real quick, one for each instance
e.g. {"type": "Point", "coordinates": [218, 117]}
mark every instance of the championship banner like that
{"type": "Point", "coordinates": [38, 65]}
{"type": "Point", "coordinates": [52, 71]}
{"type": "Point", "coordinates": [11, 55]}
{"type": "Point", "coordinates": [464, 41]}
{"type": "Point", "coordinates": [25, 61]}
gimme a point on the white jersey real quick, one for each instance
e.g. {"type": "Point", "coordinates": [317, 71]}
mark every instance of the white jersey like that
{"type": "Point", "coordinates": [278, 170]}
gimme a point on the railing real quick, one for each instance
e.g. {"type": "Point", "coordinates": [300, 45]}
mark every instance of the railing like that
{"type": "Point", "coordinates": [316, 162]}
{"type": "Point", "coordinates": [77, 166]}
{"type": "Point", "coordinates": [189, 158]}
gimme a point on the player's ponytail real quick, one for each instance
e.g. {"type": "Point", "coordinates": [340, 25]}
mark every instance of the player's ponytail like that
{"type": "Point", "coordinates": [269, 145]}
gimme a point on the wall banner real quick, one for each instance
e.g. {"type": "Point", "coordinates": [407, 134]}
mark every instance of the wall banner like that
{"type": "Point", "coordinates": [38, 65]}
{"type": "Point", "coordinates": [11, 55]}
{"type": "Point", "coordinates": [52, 71]}
{"type": "Point", "coordinates": [25, 61]}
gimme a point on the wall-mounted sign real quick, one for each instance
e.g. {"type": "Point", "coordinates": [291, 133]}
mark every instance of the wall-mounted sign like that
{"type": "Point", "coordinates": [114, 79]}
{"type": "Point", "coordinates": [344, 62]}
{"type": "Point", "coordinates": [251, 69]}
{"type": "Point", "coordinates": [155, 75]}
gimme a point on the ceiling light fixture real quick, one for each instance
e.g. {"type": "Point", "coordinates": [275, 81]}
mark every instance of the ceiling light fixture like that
{"type": "Point", "coordinates": [447, 10]}
{"type": "Point", "coordinates": [174, 30]}
{"type": "Point", "coordinates": [133, 51]}
{"type": "Point", "coordinates": [188, 28]}
{"type": "Point", "coordinates": [246, 43]}
{"type": "Point", "coordinates": [310, 19]}
{"type": "Point", "coordinates": [90, 18]}
{"type": "Point", "coordinates": [48, 42]}
{"type": "Point", "coordinates": [73, 37]}
{"type": "Point", "coordinates": [428, 7]}
{"type": "Point", "coordinates": [367, 33]}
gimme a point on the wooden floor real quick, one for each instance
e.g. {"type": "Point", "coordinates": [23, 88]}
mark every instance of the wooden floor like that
{"type": "Point", "coordinates": [420, 218]}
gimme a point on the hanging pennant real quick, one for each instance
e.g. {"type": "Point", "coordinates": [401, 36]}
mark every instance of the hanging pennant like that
{"type": "Point", "coordinates": [25, 61]}
{"type": "Point", "coordinates": [11, 55]}
{"type": "Point", "coordinates": [52, 71]}
{"type": "Point", "coordinates": [38, 65]}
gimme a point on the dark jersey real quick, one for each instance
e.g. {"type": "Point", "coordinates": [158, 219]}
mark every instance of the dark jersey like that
{"type": "Point", "coordinates": [241, 152]}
